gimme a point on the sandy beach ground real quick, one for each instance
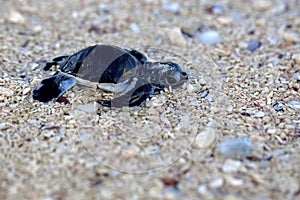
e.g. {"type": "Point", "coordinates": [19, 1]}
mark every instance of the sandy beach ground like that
{"type": "Point", "coordinates": [231, 132]}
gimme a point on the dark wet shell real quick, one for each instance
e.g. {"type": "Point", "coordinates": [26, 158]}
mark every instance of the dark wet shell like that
{"type": "Point", "coordinates": [102, 63]}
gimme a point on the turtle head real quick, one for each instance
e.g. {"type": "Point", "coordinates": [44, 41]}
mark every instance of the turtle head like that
{"type": "Point", "coordinates": [173, 75]}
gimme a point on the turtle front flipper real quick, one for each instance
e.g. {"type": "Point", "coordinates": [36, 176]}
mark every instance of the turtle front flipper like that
{"type": "Point", "coordinates": [59, 60]}
{"type": "Point", "coordinates": [53, 87]}
{"type": "Point", "coordinates": [134, 97]}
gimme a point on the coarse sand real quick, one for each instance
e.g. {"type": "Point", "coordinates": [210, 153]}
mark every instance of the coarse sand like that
{"type": "Point", "coordinates": [231, 132]}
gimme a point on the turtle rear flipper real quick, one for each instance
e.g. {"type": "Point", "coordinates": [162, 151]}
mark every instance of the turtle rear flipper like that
{"type": "Point", "coordinates": [53, 87]}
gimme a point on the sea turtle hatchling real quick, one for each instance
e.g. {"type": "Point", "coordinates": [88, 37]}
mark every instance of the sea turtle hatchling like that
{"type": "Point", "coordinates": [126, 73]}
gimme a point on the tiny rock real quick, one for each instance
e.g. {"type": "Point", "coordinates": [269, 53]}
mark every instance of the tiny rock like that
{"type": "Point", "coordinates": [214, 9]}
{"type": "Point", "coordinates": [297, 76]}
{"type": "Point", "coordinates": [224, 21]}
{"type": "Point", "coordinates": [223, 52]}
{"type": "Point", "coordinates": [170, 6]}
{"type": "Point", "coordinates": [236, 149]}
{"type": "Point", "coordinates": [295, 104]}
{"type": "Point", "coordinates": [203, 189]}
{"type": "Point", "coordinates": [256, 138]}
{"type": "Point", "coordinates": [260, 114]}
{"type": "Point", "coordinates": [209, 37]}
{"type": "Point", "coordinates": [279, 106]}
{"type": "Point", "coordinates": [14, 16]}
{"type": "Point", "coordinates": [89, 108]}
{"type": "Point", "coordinates": [204, 93]}
{"type": "Point", "coordinates": [216, 183]}
{"type": "Point", "coordinates": [205, 139]}
{"type": "Point", "coordinates": [135, 27]}
{"type": "Point", "coordinates": [296, 58]}
{"type": "Point", "coordinates": [26, 91]}
{"type": "Point", "coordinates": [48, 134]}
{"type": "Point", "coordinates": [6, 92]}
{"type": "Point", "coordinates": [176, 37]}
{"type": "Point", "coordinates": [3, 126]}
{"type": "Point", "coordinates": [190, 88]}
{"type": "Point", "coordinates": [253, 45]}
{"type": "Point", "coordinates": [271, 131]}
{"type": "Point", "coordinates": [262, 5]}
{"type": "Point", "coordinates": [37, 29]}
{"type": "Point", "coordinates": [231, 166]}
{"type": "Point", "coordinates": [290, 37]}
{"type": "Point", "coordinates": [234, 182]}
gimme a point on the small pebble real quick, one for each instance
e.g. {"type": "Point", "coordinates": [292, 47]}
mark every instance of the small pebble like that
{"type": "Point", "coordinates": [190, 88]}
{"type": "Point", "coordinates": [172, 7]}
{"type": "Point", "coordinates": [209, 37]}
{"type": "Point", "coordinates": [214, 9]}
{"type": "Point", "coordinates": [203, 189]}
{"type": "Point", "coordinates": [89, 108]}
{"type": "Point", "coordinates": [216, 183]}
{"type": "Point", "coordinates": [14, 16]}
{"type": "Point", "coordinates": [253, 45]}
{"type": "Point", "coordinates": [295, 104]}
{"type": "Point", "coordinates": [26, 91]}
{"type": "Point", "coordinates": [103, 9]}
{"type": "Point", "coordinates": [296, 58]}
{"type": "Point", "coordinates": [297, 76]}
{"type": "Point", "coordinates": [238, 148]}
{"type": "Point", "coordinates": [260, 114]}
{"type": "Point", "coordinates": [48, 134]}
{"type": "Point", "coordinates": [290, 37]}
{"type": "Point", "coordinates": [224, 20]}
{"type": "Point", "coordinates": [3, 126]}
{"type": "Point", "coordinates": [204, 93]}
{"type": "Point", "coordinates": [231, 166]}
{"type": "Point", "coordinates": [262, 5]}
{"type": "Point", "coordinates": [205, 139]}
{"type": "Point", "coordinates": [6, 92]}
{"type": "Point", "coordinates": [271, 131]}
{"type": "Point", "coordinates": [279, 106]}
{"type": "Point", "coordinates": [135, 27]}
{"type": "Point", "coordinates": [176, 37]}
{"type": "Point", "coordinates": [234, 182]}
{"type": "Point", "coordinates": [256, 138]}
